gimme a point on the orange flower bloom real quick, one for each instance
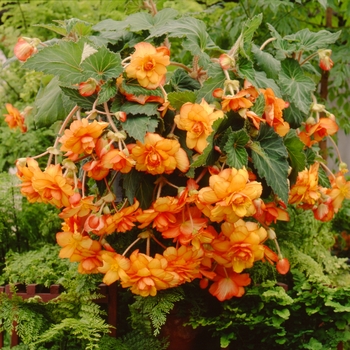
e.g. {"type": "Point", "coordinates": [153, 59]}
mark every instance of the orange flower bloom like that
{"type": "Point", "coordinates": [232, 195]}
{"type": "Point", "coordinates": [114, 267]}
{"type": "Point", "coordinates": [147, 275]}
{"type": "Point", "coordinates": [315, 133]}
{"type": "Point", "coordinates": [78, 206]}
{"type": "Point", "coordinates": [14, 119]}
{"type": "Point", "coordinates": [80, 248]}
{"type": "Point", "coordinates": [148, 65]}
{"type": "Point", "coordinates": [52, 186]}
{"type": "Point", "coordinates": [228, 284]}
{"type": "Point", "coordinates": [306, 190]}
{"type": "Point", "coordinates": [185, 262]}
{"type": "Point", "coordinates": [273, 112]}
{"type": "Point", "coordinates": [269, 212]}
{"type": "Point", "coordinates": [189, 222]}
{"type": "Point", "coordinates": [123, 220]}
{"type": "Point", "coordinates": [25, 172]}
{"type": "Point", "coordinates": [239, 245]}
{"type": "Point", "coordinates": [236, 102]}
{"type": "Point", "coordinates": [340, 190]}
{"type": "Point", "coordinates": [159, 155]}
{"type": "Point", "coordinates": [95, 223]}
{"type": "Point", "coordinates": [81, 137]}
{"type": "Point", "coordinates": [197, 120]}
{"type": "Point", "coordinates": [162, 213]}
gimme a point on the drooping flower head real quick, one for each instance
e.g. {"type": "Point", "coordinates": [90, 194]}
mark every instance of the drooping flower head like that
{"type": "Point", "coordinates": [25, 47]}
{"type": "Point", "coordinates": [197, 120]}
{"type": "Point", "coordinates": [232, 195]}
{"type": "Point", "coordinates": [114, 267]}
{"type": "Point", "coordinates": [158, 155]}
{"type": "Point", "coordinates": [81, 137]}
{"type": "Point", "coordinates": [14, 118]}
{"type": "Point", "coordinates": [148, 65]}
{"type": "Point", "coordinates": [325, 59]}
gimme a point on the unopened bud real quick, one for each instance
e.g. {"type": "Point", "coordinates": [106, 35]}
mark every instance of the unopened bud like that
{"type": "Point", "coordinates": [271, 234]}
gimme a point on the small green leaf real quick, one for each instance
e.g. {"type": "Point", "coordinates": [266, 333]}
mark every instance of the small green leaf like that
{"type": "Point", "coordinates": [177, 99]}
{"type": "Point", "coordinates": [74, 96]}
{"type": "Point", "coordinates": [102, 65]}
{"type": "Point", "coordinates": [51, 105]}
{"type": "Point", "coordinates": [237, 156]}
{"type": "Point", "coordinates": [296, 153]}
{"type": "Point", "coordinates": [148, 109]}
{"type": "Point", "coordinates": [137, 127]}
{"type": "Point", "coordinates": [293, 115]}
{"type": "Point", "coordinates": [207, 153]}
{"type": "Point", "coordinates": [133, 88]}
{"type": "Point", "coordinates": [270, 160]}
{"type": "Point", "coordinates": [62, 60]}
{"type": "Point", "coordinates": [323, 179]}
{"type": "Point", "coordinates": [284, 313]}
{"type": "Point", "coordinates": [209, 86]}
{"type": "Point", "coordinates": [108, 90]}
{"type": "Point", "coordinates": [296, 84]}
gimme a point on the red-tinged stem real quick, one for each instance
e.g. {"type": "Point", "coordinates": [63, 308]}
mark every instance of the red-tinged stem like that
{"type": "Point", "coordinates": [156, 240]}
{"type": "Point", "coordinates": [336, 148]}
{"type": "Point", "coordinates": [148, 246]}
{"type": "Point", "coordinates": [200, 176]}
{"type": "Point", "coordinates": [109, 117]}
{"type": "Point", "coordinates": [131, 245]}
{"type": "Point", "coordinates": [63, 126]}
{"type": "Point", "coordinates": [325, 167]}
{"type": "Point", "coordinates": [40, 155]}
{"type": "Point", "coordinates": [181, 65]}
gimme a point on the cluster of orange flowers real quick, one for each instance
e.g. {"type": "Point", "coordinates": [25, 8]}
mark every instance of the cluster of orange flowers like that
{"type": "Point", "coordinates": [212, 238]}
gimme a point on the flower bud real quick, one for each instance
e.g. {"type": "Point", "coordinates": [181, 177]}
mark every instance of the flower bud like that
{"type": "Point", "coordinates": [226, 61]}
{"type": "Point", "coordinates": [88, 87]}
{"type": "Point", "coordinates": [325, 59]}
{"type": "Point", "coordinates": [25, 47]}
{"type": "Point", "coordinates": [271, 234]}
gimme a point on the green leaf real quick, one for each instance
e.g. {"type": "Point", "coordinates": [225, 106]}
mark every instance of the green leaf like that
{"type": "Point", "coordinates": [202, 158]}
{"type": "Point", "coordinates": [248, 30]}
{"type": "Point", "coordinates": [108, 90]}
{"type": "Point", "coordinates": [284, 313]}
{"type": "Point", "coordinates": [197, 39]}
{"type": "Point", "coordinates": [259, 105]}
{"type": "Point", "coordinates": [296, 84]}
{"type": "Point", "coordinates": [267, 62]}
{"type": "Point", "coordinates": [258, 79]}
{"type": "Point", "coordinates": [270, 160]}
{"type": "Point", "coordinates": [312, 41]}
{"type": "Point", "coordinates": [293, 115]}
{"type": "Point", "coordinates": [181, 81]}
{"type": "Point", "coordinates": [296, 153]}
{"type": "Point", "coordinates": [132, 87]}
{"type": "Point", "coordinates": [102, 65]}
{"type": "Point", "coordinates": [214, 82]}
{"type": "Point", "coordinates": [52, 27]}
{"type": "Point", "coordinates": [323, 179]}
{"type": "Point", "coordinates": [148, 109]}
{"type": "Point", "coordinates": [139, 185]}
{"type": "Point", "coordinates": [74, 96]}
{"type": "Point", "coordinates": [177, 99]}
{"type": "Point", "coordinates": [62, 60]}
{"type": "Point", "coordinates": [237, 156]}
{"type": "Point", "coordinates": [51, 105]}
{"type": "Point", "coordinates": [137, 127]}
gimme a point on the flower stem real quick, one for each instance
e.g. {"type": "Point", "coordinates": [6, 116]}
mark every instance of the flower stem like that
{"type": "Point", "coordinates": [131, 245]}
{"type": "Point", "coordinates": [109, 117]}
{"type": "Point", "coordinates": [266, 42]}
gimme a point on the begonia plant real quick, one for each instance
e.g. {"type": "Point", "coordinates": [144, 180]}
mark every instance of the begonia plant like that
{"type": "Point", "coordinates": [175, 157]}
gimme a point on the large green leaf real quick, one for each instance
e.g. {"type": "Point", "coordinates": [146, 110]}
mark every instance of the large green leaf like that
{"type": "Point", "coordinates": [267, 62]}
{"type": "Point", "coordinates": [51, 105]}
{"type": "Point", "coordinates": [293, 115]}
{"type": "Point", "coordinates": [248, 30]}
{"type": "Point", "coordinates": [296, 153]}
{"type": "Point", "coordinates": [180, 81]}
{"type": "Point", "coordinates": [269, 156]}
{"type": "Point", "coordinates": [102, 65]}
{"type": "Point", "coordinates": [237, 156]}
{"type": "Point", "coordinates": [137, 127]}
{"type": "Point", "coordinates": [296, 84]}
{"type": "Point", "coordinates": [140, 186]}
{"type": "Point", "coordinates": [258, 79]}
{"type": "Point", "coordinates": [177, 99]}
{"type": "Point", "coordinates": [108, 90]}
{"type": "Point", "coordinates": [133, 88]}
{"type": "Point", "coordinates": [312, 41]}
{"type": "Point", "coordinates": [62, 60]}
{"type": "Point", "coordinates": [193, 30]}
